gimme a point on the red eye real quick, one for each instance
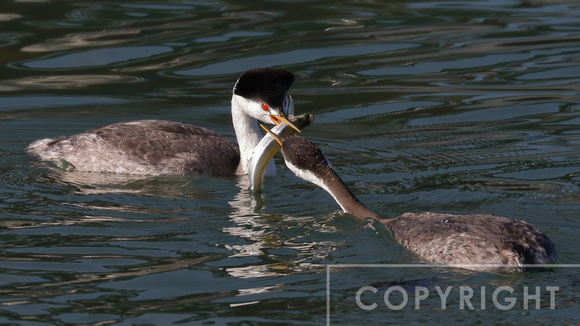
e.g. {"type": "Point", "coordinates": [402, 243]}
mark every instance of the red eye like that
{"type": "Point", "coordinates": [265, 107]}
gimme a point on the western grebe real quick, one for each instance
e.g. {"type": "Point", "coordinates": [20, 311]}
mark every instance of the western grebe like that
{"type": "Point", "coordinates": [474, 241]}
{"type": "Point", "coordinates": [157, 147]}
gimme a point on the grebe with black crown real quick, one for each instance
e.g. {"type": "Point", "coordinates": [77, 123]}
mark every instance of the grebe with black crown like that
{"type": "Point", "coordinates": [158, 147]}
{"type": "Point", "coordinates": [474, 241]}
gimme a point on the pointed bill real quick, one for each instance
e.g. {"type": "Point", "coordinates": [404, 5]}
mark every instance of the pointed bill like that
{"type": "Point", "coordinates": [272, 134]}
{"type": "Point", "coordinates": [278, 118]}
{"type": "Point", "coordinates": [269, 146]}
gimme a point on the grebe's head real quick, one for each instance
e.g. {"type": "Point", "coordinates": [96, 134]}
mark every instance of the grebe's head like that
{"type": "Point", "coordinates": [262, 93]}
{"type": "Point", "coordinates": [306, 160]}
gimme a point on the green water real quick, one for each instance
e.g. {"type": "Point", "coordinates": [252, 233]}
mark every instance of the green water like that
{"type": "Point", "coordinates": [458, 107]}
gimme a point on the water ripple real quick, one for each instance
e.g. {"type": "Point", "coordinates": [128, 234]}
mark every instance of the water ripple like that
{"type": "Point", "coordinates": [73, 81]}
{"type": "Point", "coordinates": [100, 57]}
{"type": "Point", "coordinates": [291, 58]}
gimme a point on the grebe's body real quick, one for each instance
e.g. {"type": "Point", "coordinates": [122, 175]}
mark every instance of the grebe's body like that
{"type": "Point", "coordinates": [157, 147]}
{"type": "Point", "coordinates": [150, 147]}
{"type": "Point", "coordinates": [462, 240]}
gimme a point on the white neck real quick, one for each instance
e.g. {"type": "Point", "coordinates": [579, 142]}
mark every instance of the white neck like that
{"type": "Point", "coordinates": [338, 190]}
{"type": "Point", "coordinates": [248, 136]}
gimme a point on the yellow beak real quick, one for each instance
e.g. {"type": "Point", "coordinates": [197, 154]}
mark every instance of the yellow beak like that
{"type": "Point", "coordinates": [273, 134]}
{"type": "Point", "coordinates": [277, 119]}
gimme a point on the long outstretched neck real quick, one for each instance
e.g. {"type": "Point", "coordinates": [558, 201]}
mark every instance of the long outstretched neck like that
{"type": "Point", "coordinates": [309, 163]}
{"type": "Point", "coordinates": [247, 132]}
{"type": "Point", "coordinates": [346, 199]}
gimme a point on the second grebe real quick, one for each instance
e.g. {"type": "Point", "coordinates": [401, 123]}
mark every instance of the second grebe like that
{"type": "Point", "coordinates": [474, 241]}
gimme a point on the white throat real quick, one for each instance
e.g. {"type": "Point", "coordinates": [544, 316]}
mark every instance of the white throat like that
{"type": "Point", "coordinates": [248, 135]}
{"type": "Point", "coordinates": [311, 177]}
